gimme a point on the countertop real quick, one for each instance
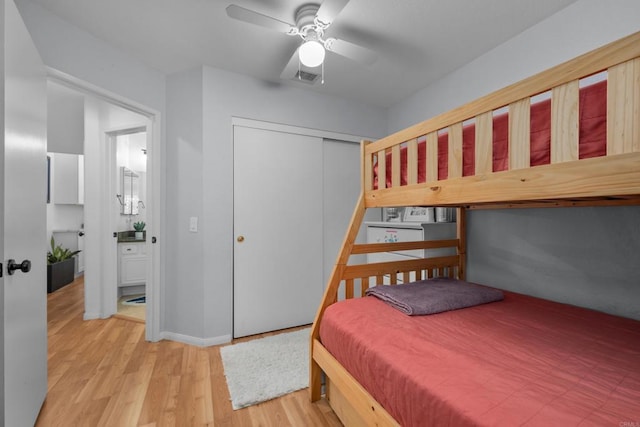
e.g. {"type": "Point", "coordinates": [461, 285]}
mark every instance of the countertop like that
{"type": "Point", "coordinates": [130, 237]}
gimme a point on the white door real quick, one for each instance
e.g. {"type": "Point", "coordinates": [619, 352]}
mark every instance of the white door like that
{"type": "Point", "coordinates": [23, 228]}
{"type": "Point", "coordinates": [277, 230]}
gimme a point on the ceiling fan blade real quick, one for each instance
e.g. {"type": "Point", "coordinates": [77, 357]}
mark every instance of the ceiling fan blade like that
{"type": "Point", "coordinates": [246, 15]}
{"type": "Point", "coordinates": [329, 9]}
{"type": "Point", "coordinates": [350, 50]}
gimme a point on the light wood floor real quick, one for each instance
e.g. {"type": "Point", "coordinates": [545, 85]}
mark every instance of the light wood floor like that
{"type": "Point", "coordinates": [103, 373]}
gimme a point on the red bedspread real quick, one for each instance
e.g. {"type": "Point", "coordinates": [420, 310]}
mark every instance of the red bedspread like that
{"type": "Point", "coordinates": [592, 138]}
{"type": "Point", "coordinates": [520, 361]}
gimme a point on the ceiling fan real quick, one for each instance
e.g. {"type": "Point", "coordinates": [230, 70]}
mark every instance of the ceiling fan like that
{"type": "Point", "coordinates": [311, 22]}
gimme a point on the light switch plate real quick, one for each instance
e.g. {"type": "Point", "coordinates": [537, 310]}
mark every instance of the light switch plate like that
{"type": "Point", "coordinates": [193, 224]}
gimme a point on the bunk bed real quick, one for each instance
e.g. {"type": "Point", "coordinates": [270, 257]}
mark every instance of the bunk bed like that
{"type": "Point", "coordinates": [521, 360]}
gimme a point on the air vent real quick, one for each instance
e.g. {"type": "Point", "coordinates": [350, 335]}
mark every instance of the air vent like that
{"type": "Point", "coordinates": [306, 77]}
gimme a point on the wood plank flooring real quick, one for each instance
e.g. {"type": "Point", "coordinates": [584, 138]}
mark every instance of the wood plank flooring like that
{"type": "Point", "coordinates": [103, 373]}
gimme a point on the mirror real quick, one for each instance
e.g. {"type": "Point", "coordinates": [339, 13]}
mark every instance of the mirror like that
{"type": "Point", "coordinates": [130, 191]}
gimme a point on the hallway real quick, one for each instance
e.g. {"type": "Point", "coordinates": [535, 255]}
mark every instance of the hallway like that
{"type": "Point", "coordinates": [103, 373]}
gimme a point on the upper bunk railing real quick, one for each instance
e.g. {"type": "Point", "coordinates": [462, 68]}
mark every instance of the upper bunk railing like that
{"type": "Point", "coordinates": [587, 178]}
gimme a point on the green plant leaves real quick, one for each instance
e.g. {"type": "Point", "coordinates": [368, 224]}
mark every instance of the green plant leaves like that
{"type": "Point", "coordinates": [58, 253]}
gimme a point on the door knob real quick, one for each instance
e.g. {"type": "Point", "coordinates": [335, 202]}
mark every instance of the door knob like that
{"type": "Point", "coordinates": [81, 233]}
{"type": "Point", "coordinates": [240, 239]}
{"type": "Point", "coordinates": [24, 266]}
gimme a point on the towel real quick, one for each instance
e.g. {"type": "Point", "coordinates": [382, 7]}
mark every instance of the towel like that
{"type": "Point", "coordinates": [434, 295]}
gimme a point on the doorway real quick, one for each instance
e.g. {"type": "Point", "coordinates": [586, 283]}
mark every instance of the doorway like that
{"type": "Point", "coordinates": [131, 220]}
{"type": "Point", "coordinates": [105, 115]}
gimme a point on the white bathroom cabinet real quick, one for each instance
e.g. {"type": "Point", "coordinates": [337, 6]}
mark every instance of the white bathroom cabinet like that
{"type": "Point", "coordinates": [132, 264]}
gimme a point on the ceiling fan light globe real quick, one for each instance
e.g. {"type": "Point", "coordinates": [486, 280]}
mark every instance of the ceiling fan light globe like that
{"type": "Point", "coordinates": [311, 53]}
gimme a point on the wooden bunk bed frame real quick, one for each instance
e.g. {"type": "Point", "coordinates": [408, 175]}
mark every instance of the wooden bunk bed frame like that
{"type": "Point", "coordinates": [613, 179]}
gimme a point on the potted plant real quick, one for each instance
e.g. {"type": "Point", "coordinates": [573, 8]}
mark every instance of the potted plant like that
{"type": "Point", "coordinates": [139, 227]}
{"type": "Point", "coordinates": [60, 266]}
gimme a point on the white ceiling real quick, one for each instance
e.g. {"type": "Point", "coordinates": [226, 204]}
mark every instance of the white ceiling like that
{"type": "Point", "coordinates": [418, 41]}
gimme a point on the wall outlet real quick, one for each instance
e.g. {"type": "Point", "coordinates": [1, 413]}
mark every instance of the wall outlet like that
{"type": "Point", "coordinates": [193, 224]}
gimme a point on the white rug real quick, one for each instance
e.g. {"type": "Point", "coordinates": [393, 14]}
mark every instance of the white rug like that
{"type": "Point", "coordinates": [266, 368]}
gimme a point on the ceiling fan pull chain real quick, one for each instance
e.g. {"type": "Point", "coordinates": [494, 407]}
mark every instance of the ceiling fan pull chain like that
{"type": "Point", "coordinates": [322, 81]}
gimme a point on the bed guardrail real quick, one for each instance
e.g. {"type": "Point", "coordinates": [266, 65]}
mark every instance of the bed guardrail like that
{"type": "Point", "coordinates": [392, 273]}
{"type": "Point", "coordinates": [620, 60]}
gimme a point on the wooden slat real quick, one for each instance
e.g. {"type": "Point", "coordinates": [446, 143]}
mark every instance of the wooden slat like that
{"type": "Point", "coordinates": [393, 279]}
{"type": "Point", "coordinates": [382, 169]}
{"type": "Point", "coordinates": [412, 161]}
{"type": "Point", "coordinates": [484, 143]}
{"type": "Point", "coordinates": [461, 231]}
{"type": "Point", "coordinates": [594, 177]}
{"type": "Point", "coordinates": [520, 134]}
{"type": "Point", "coordinates": [585, 65]}
{"type": "Point", "coordinates": [367, 166]}
{"type": "Point", "coordinates": [368, 248]}
{"type": "Point", "coordinates": [406, 277]}
{"type": "Point", "coordinates": [395, 166]}
{"type": "Point", "coordinates": [623, 108]}
{"type": "Point", "coordinates": [455, 150]}
{"type": "Point", "coordinates": [432, 156]}
{"type": "Point", "coordinates": [348, 289]}
{"type": "Point", "coordinates": [364, 284]}
{"type": "Point", "coordinates": [374, 269]}
{"type": "Point", "coordinates": [564, 122]}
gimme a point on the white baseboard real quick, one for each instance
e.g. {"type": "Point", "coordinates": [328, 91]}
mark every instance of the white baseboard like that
{"type": "Point", "coordinates": [200, 342]}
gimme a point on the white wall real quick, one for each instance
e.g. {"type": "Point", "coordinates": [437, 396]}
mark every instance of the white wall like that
{"type": "Point", "coordinates": [71, 50]}
{"type": "Point", "coordinates": [65, 120]}
{"type": "Point", "coordinates": [184, 291]}
{"type": "Point", "coordinates": [577, 29]}
{"type": "Point", "coordinates": [585, 256]}
{"type": "Point", "coordinates": [201, 104]}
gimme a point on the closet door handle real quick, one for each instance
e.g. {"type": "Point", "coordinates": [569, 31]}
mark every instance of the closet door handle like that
{"type": "Point", "coordinates": [240, 239]}
{"type": "Point", "coordinates": [24, 266]}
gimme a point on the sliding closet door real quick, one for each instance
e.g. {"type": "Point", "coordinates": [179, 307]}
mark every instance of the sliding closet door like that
{"type": "Point", "coordinates": [342, 186]}
{"type": "Point", "coordinates": [277, 230]}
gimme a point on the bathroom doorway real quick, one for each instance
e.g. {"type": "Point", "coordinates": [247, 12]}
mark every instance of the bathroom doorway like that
{"type": "Point", "coordinates": [107, 115]}
{"type": "Point", "coordinates": [131, 221]}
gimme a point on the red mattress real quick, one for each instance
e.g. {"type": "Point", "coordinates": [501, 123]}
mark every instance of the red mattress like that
{"type": "Point", "coordinates": [521, 361]}
{"type": "Point", "coordinates": [592, 138]}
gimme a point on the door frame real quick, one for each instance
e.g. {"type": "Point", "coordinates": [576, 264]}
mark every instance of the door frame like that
{"type": "Point", "coordinates": [155, 283]}
{"type": "Point", "coordinates": [298, 130]}
{"type": "Point", "coordinates": [110, 274]}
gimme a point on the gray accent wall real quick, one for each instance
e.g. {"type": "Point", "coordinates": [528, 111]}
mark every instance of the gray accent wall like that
{"type": "Point", "coordinates": [587, 256]}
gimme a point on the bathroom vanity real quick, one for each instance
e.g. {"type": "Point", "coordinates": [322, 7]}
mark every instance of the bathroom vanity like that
{"type": "Point", "coordinates": [132, 260]}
